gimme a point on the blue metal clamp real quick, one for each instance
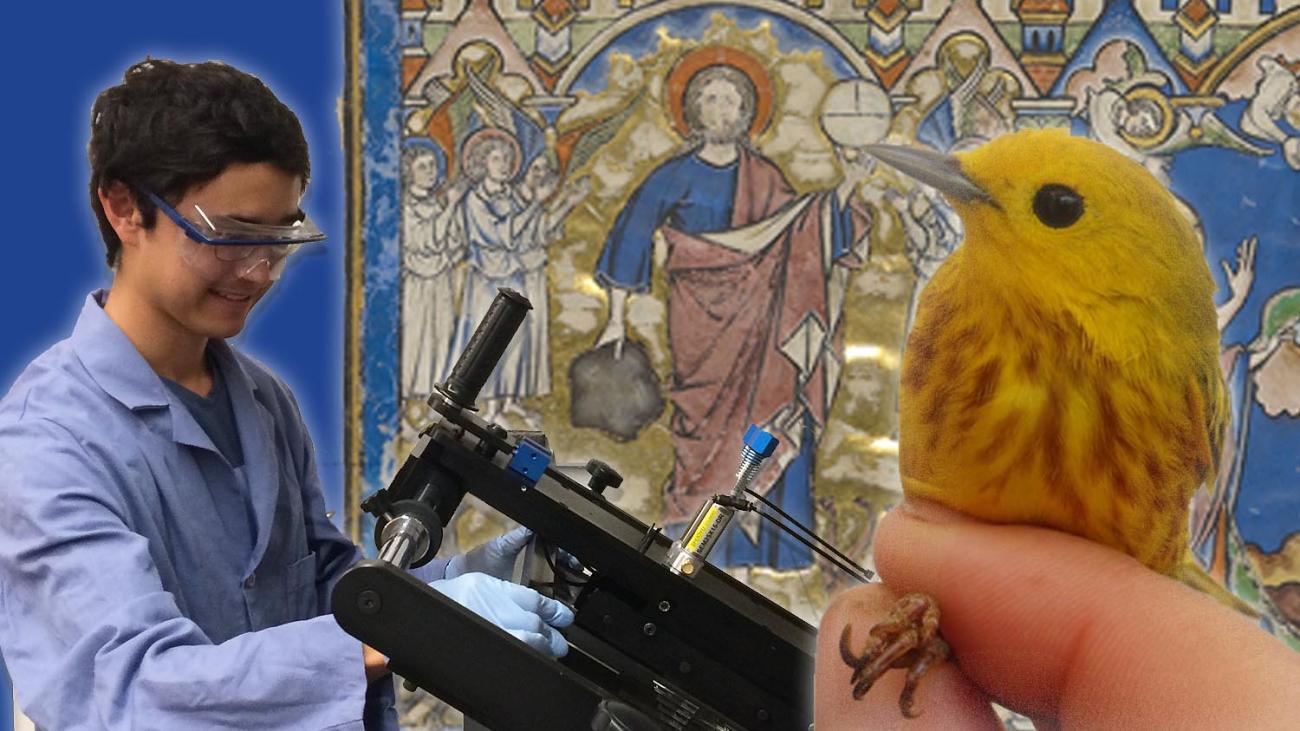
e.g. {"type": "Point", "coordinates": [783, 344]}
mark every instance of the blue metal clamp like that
{"type": "Point", "coordinates": [530, 461]}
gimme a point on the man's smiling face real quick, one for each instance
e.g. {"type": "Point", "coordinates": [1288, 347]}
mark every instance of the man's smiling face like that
{"type": "Point", "coordinates": [212, 300]}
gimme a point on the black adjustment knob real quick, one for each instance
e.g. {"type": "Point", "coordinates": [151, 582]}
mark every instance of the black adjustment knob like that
{"type": "Point", "coordinates": [602, 476]}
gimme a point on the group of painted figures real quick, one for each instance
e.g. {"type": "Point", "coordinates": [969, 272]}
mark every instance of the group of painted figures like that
{"type": "Point", "coordinates": [488, 229]}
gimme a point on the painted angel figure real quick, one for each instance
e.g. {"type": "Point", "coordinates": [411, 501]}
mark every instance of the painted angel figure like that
{"type": "Point", "coordinates": [1127, 110]}
{"type": "Point", "coordinates": [539, 186]}
{"type": "Point", "coordinates": [506, 229]}
{"type": "Point", "coordinates": [933, 231]}
{"type": "Point", "coordinates": [1273, 113]}
{"type": "Point", "coordinates": [495, 222]}
{"type": "Point", "coordinates": [431, 249]}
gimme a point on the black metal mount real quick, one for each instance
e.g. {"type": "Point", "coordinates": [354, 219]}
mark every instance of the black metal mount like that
{"type": "Point", "coordinates": [647, 644]}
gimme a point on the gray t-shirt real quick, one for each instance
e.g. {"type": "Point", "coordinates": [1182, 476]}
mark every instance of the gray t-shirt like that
{"type": "Point", "coordinates": [216, 415]}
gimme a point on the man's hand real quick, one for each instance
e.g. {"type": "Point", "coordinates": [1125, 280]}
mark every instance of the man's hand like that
{"type": "Point", "coordinates": [1063, 630]}
{"type": "Point", "coordinates": [615, 329]}
{"type": "Point", "coordinates": [457, 190]}
{"type": "Point", "coordinates": [1239, 280]}
{"type": "Point", "coordinates": [520, 611]}
{"type": "Point", "coordinates": [376, 663]}
{"type": "Point", "coordinates": [541, 190]}
{"type": "Point", "coordinates": [614, 332]}
{"type": "Point", "coordinates": [856, 166]}
{"type": "Point", "coordinates": [494, 558]}
{"type": "Point", "coordinates": [576, 191]}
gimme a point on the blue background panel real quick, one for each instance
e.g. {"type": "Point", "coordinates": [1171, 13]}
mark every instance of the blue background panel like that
{"type": "Point", "coordinates": [60, 56]}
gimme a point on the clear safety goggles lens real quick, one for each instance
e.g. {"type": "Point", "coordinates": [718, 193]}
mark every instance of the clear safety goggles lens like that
{"type": "Point", "coordinates": [217, 262]}
{"type": "Point", "coordinates": [219, 246]}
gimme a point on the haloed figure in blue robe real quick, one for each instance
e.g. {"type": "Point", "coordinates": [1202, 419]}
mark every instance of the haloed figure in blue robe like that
{"type": "Point", "coordinates": [755, 275]}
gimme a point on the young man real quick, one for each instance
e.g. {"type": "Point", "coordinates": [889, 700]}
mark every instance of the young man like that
{"type": "Point", "coordinates": [165, 556]}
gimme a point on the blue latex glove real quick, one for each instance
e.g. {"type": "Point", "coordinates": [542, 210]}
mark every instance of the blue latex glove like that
{"type": "Point", "coordinates": [494, 558]}
{"type": "Point", "coordinates": [520, 611]}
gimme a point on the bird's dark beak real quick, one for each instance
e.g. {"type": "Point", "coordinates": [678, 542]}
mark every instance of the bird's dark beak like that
{"type": "Point", "coordinates": [941, 172]}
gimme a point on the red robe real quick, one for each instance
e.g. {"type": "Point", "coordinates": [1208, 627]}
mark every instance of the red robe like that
{"type": "Point", "coordinates": [729, 313]}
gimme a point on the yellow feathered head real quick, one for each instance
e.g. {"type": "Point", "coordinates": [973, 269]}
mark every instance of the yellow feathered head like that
{"type": "Point", "coordinates": [1071, 225]}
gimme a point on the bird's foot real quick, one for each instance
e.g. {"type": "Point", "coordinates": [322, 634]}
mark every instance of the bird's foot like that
{"type": "Point", "coordinates": [908, 638]}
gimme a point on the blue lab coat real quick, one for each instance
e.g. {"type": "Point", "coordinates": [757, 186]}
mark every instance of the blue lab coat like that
{"type": "Point", "coordinates": [122, 603]}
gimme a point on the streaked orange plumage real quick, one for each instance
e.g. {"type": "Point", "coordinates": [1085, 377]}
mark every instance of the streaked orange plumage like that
{"type": "Point", "coordinates": [1062, 370]}
{"type": "Point", "coordinates": [1067, 377]}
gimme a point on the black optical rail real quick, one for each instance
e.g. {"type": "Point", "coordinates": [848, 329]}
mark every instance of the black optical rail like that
{"type": "Point", "coordinates": [648, 649]}
{"type": "Point", "coordinates": [642, 633]}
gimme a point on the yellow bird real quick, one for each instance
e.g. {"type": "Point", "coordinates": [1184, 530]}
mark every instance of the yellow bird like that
{"type": "Point", "coordinates": [1063, 367]}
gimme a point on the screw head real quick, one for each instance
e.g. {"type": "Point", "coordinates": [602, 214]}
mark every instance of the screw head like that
{"type": "Point", "coordinates": [649, 629]}
{"type": "Point", "coordinates": [368, 602]}
{"type": "Point", "coordinates": [665, 605]}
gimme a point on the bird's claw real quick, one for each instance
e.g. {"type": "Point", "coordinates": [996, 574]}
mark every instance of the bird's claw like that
{"type": "Point", "coordinates": [908, 638]}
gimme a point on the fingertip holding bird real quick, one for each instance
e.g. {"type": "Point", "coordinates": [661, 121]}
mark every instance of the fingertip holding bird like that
{"type": "Point", "coordinates": [1063, 629]}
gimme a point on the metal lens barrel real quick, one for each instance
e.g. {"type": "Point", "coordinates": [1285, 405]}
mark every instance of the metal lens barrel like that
{"type": "Point", "coordinates": [485, 348]}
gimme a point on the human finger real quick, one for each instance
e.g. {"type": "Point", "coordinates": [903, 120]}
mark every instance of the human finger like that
{"type": "Point", "coordinates": [551, 611]}
{"type": "Point", "coordinates": [510, 543]}
{"type": "Point", "coordinates": [1066, 630]}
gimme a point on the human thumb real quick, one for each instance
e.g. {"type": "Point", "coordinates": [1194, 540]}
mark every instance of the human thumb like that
{"type": "Point", "coordinates": [1067, 630]}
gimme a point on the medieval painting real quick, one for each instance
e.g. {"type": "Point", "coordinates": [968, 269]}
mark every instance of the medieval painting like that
{"type": "Point", "coordinates": [681, 191]}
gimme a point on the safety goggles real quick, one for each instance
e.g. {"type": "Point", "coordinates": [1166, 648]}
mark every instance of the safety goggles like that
{"type": "Point", "coordinates": [218, 246]}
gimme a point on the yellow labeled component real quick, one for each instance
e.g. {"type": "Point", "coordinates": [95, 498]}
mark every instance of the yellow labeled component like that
{"type": "Point", "coordinates": [706, 525]}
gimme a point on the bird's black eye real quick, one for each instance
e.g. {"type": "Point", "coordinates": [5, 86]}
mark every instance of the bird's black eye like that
{"type": "Point", "coordinates": [1057, 206]}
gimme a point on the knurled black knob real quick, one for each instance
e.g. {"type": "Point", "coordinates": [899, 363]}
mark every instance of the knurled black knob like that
{"type": "Point", "coordinates": [602, 476]}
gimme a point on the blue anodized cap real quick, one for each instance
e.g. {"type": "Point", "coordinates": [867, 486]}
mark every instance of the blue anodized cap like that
{"type": "Point", "coordinates": [762, 443]}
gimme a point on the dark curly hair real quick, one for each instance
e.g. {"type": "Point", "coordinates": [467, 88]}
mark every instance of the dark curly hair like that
{"type": "Point", "coordinates": [169, 127]}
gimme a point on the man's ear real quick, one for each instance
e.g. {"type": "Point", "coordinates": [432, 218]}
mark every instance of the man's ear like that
{"type": "Point", "coordinates": [121, 211]}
